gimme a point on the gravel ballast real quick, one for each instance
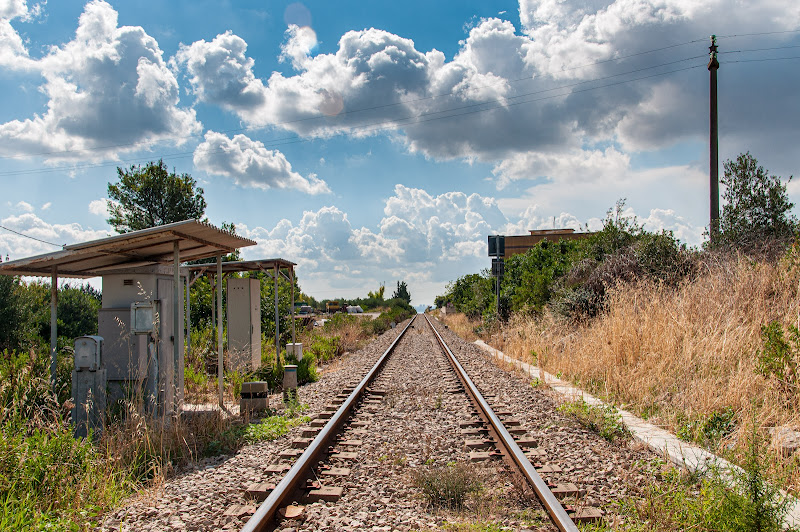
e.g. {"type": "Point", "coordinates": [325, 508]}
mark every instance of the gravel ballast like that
{"type": "Point", "coordinates": [414, 429]}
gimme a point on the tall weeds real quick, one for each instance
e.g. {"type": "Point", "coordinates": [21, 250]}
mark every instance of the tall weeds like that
{"type": "Point", "coordinates": [679, 355]}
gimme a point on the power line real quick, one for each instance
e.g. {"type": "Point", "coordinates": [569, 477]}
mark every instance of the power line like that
{"type": "Point", "coordinates": [759, 49]}
{"type": "Point", "coordinates": [394, 122]}
{"type": "Point", "coordinates": [31, 237]}
{"type": "Point", "coordinates": [756, 34]}
{"type": "Point", "coordinates": [760, 60]}
{"type": "Point", "coordinates": [345, 113]}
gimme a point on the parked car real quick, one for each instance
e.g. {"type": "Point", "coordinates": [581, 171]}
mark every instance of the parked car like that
{"type": "Point", "coordinates": [305, 310]}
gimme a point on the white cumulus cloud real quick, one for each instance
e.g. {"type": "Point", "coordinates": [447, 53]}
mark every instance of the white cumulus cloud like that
{"type": "Point", "coordinates": [99, 207]}
{"type": "Point", "coordinates": [109, 90]}
{"type": "Point", "coordinates": [248, 163]}
{"type": "Point", "coordinates": [18, 247]}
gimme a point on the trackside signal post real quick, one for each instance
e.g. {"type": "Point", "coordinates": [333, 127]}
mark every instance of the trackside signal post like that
{"type": "Point", "coordinates": [497, 249]}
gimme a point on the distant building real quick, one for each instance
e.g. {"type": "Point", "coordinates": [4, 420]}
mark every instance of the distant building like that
{"type": "Point", "coordinates": [522, 243]}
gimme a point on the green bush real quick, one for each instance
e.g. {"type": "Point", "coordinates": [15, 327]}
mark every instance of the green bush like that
{"type": "Point", "coordinates": [323, 348]}
{"type": "Point", "coordinates": [709, 430]}
{"type": "Point", "coordinates": [779, 356]}
{"type": "Point", "coordinates": [602, 419]}
{"type": "Point", "coordinates": [272, 428]}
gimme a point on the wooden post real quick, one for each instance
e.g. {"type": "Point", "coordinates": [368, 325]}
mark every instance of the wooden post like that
{"type": "Point", "coordinates": [713, 66]}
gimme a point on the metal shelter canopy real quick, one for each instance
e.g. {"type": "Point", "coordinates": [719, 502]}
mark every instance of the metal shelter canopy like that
{"type": "Point", "coordinates": [271, 267]}
{"type": "Point", "coordinates": [163, 244]}
{"type": "Point", "coordinates": [196, 240]}
{"type": "Point", "coordinates": [261, 265]}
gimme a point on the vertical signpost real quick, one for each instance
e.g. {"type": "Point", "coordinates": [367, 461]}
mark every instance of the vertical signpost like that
{"type": "Point", "coordinates": [497, 249]}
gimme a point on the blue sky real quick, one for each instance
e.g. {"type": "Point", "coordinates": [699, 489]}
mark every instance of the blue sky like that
{"type": "Point", "coordinates": [373, 141]}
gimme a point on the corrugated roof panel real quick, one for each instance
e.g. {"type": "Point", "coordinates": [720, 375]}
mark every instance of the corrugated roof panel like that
{"type": "Point", "coordinates": [196, 240]}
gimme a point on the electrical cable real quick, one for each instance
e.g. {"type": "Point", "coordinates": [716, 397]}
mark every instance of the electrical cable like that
{"type": "Point", "coordinates": [759, 60]}
{"type": "Point", "coordinates": [755, 34]}
{"type": "Point", "coordinates": [31, 237]}
{"type": "Point", "coordinates": [758, 49]}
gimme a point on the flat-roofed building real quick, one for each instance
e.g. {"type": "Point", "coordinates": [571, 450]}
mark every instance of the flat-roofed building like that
{"type": "Point", "coordinates": [515, 245]}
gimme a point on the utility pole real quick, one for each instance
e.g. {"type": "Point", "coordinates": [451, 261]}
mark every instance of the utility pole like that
{"type": "Point", "coordinates": [713, 66]}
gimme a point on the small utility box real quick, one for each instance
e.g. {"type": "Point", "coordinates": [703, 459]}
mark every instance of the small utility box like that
{"type": "Point", "coordinates": [255, 397]}
{"type": "Point", "coordinates": [244, 324]}
{"type": "Point", "coordinates": [88, 386]}
{"type": "Point", "coordinates": [295, 350]}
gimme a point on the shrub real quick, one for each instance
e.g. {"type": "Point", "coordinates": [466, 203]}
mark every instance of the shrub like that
{"type": "Point", "coordinates": [604, 420]}
{"type": "Point", "coordinates": [448, 486]}
{"type": "Point", "coordinates": [778, 357]}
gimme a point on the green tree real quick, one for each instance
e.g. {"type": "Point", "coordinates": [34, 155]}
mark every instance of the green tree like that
{"type": "Point", "coordinates": [378, 294]}
{"type": "Point", "coordinates": [402, 292]}
{"type": "Point", "coordinates": [9, 315]}
{"type": "Point", "coordinates": [151, 196]}
{"type": "Point", "coordinates": [755, 205]}
{"type": "Point", "coordinates": [471, 294]}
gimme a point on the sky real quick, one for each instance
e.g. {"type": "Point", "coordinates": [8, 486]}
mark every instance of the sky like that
{"type": "Point", "coordinates": [377, 142]}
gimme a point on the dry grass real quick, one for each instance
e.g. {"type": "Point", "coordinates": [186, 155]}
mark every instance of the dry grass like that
{"type": "Point", "coordinates": [460, 324]}
{"type": "Point", "coordinates": [678, 355]}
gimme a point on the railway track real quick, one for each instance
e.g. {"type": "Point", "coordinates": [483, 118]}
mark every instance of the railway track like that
{"type": "Point", "coordinates": [413, 418]}
{"type": "Point", "coordinates": [337, 441]}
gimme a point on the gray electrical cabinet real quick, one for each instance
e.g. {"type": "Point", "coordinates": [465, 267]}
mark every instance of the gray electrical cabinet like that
{"type": "Point", "coordinates": [88, 387]}
{"type": "Point", "coordinates": [244, 324]}
{"type": "Point", "coordinates": [131, 350]}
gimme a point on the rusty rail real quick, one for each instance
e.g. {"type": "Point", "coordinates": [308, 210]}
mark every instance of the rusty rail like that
{"type": "Point", "coordinates": [264, 517]}
{"type": "Point", "coordinates": [509, 446]}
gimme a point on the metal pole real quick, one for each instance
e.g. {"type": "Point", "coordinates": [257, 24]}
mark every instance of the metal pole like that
{"type": "Point", "coordinates": [713, 66]}
{"type": "Point", "coordinates": [497, 293]}
{"type": "Point", "coordinates": [291, 271]}
{"type": "Point", "coordinates": [53, 327]}
{"type": "Point", "coordinates": [277, 320]}
{"type": "Point", "coordinates": [219, 331]}
{"type": "Point", "coordinates": [177, 326]}
{"type": "Point", "coordinates": [213, 300]}
{"type": "Point", "coordinates": [188, 316]}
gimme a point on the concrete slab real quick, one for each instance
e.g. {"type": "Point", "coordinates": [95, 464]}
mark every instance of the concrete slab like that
{"type": "Point", "coordinates": [259, 491]}
{"type": "Point", "coordinates": [335, 472]}
{"type": "Point", "coordinates": [660, 441]}
{"type": "Point", "coordinates": [326, 493]}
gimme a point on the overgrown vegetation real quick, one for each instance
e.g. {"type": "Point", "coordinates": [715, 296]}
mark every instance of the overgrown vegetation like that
{"type": "Point", "coordinates": [602, 419]}
{"type": "Point", "coordinates": [572, 278]}
{"type": "Point", "coordinates": [689, 338]}
{"type": "Point", "coordinates": [713, 500]}
{"type": "Point", "coordinates": [447, 486]}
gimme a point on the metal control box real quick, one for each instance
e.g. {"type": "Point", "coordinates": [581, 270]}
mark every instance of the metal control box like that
{"type": "Point", "coordinates": [88, 350]}
{"type": "Point", "coordinates": [244, 324]}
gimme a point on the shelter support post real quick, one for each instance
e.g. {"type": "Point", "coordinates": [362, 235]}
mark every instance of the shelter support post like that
{"type": "Point", "coordinates": [277, 320]}
{"type": "Point", "coordinates": [188, 317]}
{"type": "Point", "coordinates": [53, 327]}
{"type": "Point", "coordinates": [291, 271]}
{"type": "Point", "coordinates": [177, 326]}
{"type": "Point", "coordinates": [219, 331]}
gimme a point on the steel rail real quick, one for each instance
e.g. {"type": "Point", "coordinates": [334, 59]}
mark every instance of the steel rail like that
{"type": "Point", "coordinates": [263, 518]}
{"type": "Point", "coordinates": [513, 451]}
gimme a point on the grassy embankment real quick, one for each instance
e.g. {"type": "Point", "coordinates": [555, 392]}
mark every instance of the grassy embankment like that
{"type": "Point", "coordinates": [51, 481]}
{"type": "Point", "coordinates": [686, 358]}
